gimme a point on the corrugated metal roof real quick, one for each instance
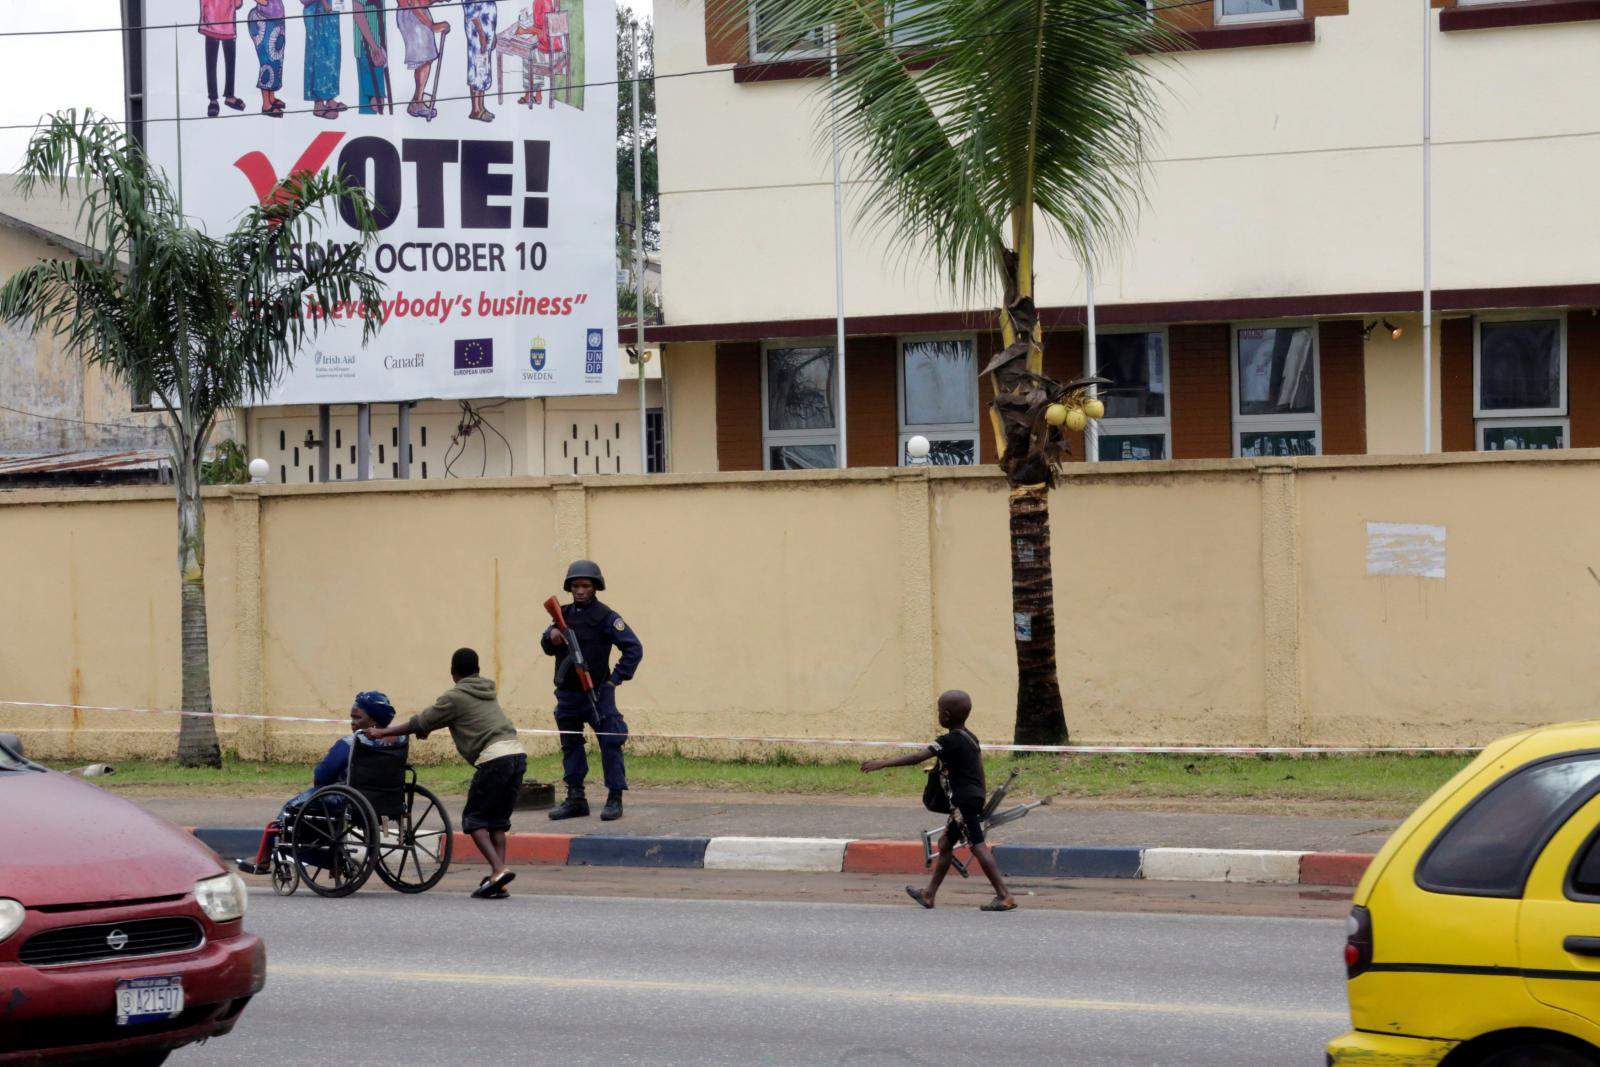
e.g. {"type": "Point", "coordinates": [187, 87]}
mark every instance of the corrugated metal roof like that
{"type": "Point", "coordinates": [36, 463]}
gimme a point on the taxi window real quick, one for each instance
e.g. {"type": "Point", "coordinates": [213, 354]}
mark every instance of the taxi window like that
{"type": "Point", "coordinates": [1584, 882]}
{"type": "Point", "coordinates": [1490, 847]}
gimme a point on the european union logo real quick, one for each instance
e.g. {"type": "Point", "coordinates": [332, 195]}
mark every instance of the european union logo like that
{"type": "Point", "coordinates": [475, 356]}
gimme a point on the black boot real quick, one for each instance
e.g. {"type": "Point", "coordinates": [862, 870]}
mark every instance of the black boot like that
{"type": "Point", "coordinates": [613, 808]}
{"type": "Point", "coordinates": [574, 807]}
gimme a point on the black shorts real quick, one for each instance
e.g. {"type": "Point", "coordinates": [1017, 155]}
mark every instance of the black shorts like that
{"type": "Point", "coordinates": [493, 793]}
{"type": "Point", "coordinates": [971, 826]}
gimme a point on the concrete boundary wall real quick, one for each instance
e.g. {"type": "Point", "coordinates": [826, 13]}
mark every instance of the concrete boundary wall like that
{"type": "Point", "coordinates": [1361, 600]}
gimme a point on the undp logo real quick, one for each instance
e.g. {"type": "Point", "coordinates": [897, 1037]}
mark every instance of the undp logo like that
{"type": "Point", "coordinates": [597, 339]}
{"type": "Point", "coordinates": [537, 355]}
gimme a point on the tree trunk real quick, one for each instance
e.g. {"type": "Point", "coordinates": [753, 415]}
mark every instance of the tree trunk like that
{"type": "Point", "coordinates": [1040, 717]}
{"type": "Point", "coordinates": [197, 736]}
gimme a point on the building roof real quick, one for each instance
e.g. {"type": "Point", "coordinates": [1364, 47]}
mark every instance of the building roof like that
{"type": "Point", "coordinates": [64, 465]}
{"type": "Point", "coordinates": [44, 214]}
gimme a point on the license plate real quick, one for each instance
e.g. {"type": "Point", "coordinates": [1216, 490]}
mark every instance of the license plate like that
{"type": "Point", "coordinates": [146, 1000]}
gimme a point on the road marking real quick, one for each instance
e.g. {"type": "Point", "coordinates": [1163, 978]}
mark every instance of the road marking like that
{"type": "Point", "coordinates": [743, 989]}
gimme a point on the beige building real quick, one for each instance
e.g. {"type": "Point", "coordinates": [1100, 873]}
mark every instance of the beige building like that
{"type": "Point", "coordinates": [1269, 302]}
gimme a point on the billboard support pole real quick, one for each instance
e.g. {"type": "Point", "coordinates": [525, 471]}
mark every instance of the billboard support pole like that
{"type": "Point", "coordinates": [403, 442]}
{"type": "Point", "coordinates": [324, 431]}
{"type": "Point", "coordinates": [1091, 432]}
{"type": "Point", "coordinates": [363, 442]}
{"type": "Point", "coordinates": [177, 110]}
{"type": "Point", "coordinates": [1427, 228]}
{"type": "Point", "coordinates": [638, 245]}
{"type": "Point", "coordinates": [838, 247]}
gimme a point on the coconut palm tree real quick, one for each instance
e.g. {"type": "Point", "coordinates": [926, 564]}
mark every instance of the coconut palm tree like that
{"type": "Point", "coordinates": [967, 124]}
{"type": "Point", "coordinates": [196, 322]}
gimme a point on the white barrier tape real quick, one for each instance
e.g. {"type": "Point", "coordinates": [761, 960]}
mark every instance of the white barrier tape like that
{"type": "Point", "coordinates": [1081, 750]}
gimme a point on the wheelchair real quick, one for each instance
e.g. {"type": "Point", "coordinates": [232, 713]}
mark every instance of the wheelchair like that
{"type": "Point", "coordinates": [377, 820]}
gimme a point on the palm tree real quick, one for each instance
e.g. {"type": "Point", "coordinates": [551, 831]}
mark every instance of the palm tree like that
{"type": "Point", "coordinates": [966, 122]}
{"type": "Point", "coordinates": [195, 322]}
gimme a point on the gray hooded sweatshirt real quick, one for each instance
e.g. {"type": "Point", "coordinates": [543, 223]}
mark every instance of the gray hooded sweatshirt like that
{"type": "Point", "coordinates": [471, 713]}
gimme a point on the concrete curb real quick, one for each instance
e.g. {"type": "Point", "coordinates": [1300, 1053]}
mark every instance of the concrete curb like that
{"type": "Point", "coordinates": [1266, 866]}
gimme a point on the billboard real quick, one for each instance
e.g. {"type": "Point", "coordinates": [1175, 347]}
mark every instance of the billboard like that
{"type": "Point", "coordinates": [490, 162]}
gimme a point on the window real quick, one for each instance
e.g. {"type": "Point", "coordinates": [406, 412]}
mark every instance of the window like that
{"type": "Point", "coordinates": [1258, 10]}
{"type": "Point", "coordinates": [910, 24]}
{"type": "Point", "coordinates": [1489, 848]}
{"type": "Point", "coordinates": [1276, 406]}
{"type": "Point", "coordinates": [799, 387]}
{"type": "Point", "coordinates": [655, 440]}
{"type": "Point", "coordinates": [767, 42]}
{"type": "Point", "coordinates": [1520, 381]}
{"type": "Point", "coordinates": [1583, 880]}
{"type": "Point", "coordinates": [939, 398]}
{"type": "Point", "coordinates": [1136, 423]}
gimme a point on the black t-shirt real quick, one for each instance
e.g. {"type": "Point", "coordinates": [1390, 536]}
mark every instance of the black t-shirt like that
{"type": "Point", "coordinates": [962, 758]}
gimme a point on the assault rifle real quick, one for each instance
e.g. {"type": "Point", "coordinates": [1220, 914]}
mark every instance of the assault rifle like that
{"type": "Point", "coordinates": [575, 658]}
{"type": "Point", "coordinates": [991, 818]}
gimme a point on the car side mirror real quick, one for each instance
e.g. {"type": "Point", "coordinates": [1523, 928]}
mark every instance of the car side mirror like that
{"type": "Point", "coordinates": [12, 742]}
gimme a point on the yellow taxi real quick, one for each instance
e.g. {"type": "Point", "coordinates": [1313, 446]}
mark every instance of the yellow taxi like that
{"type": "Point", "coordinates": [1475, 936]}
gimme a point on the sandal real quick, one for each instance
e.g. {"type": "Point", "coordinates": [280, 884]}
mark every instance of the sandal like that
{"type": "Point", "coordinates": [920, 896]}
{"type": "Point", "coordinates": [235, 103]}
{"type": "Point", "coordinates": [483, 889]}
{"type": "Point", "coordinates": [212, 110]}
{"type": "Point", "coordinates": [504, 880]}
{"type": "Point", "coordinates": [1000, 905]}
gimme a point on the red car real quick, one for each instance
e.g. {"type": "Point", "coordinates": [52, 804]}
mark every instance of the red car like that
{"type": "Point", "coordinates": [121, 937]}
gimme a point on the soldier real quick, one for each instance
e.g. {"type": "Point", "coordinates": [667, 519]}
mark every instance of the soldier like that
{"type": "Point", "coordinates": [597, 629]}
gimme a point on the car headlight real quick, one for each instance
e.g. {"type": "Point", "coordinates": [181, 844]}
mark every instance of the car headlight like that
{"type": "Point", "coordinates": [11, 916]}
{"type": "Point", "coordinates": [222, 898]}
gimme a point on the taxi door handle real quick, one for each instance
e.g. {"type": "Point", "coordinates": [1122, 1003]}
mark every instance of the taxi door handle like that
{"type": "Point", "coordinates": [1582, 946]}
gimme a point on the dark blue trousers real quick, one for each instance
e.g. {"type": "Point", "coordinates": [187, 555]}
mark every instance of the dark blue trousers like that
{"type": "Point", "coordinates": [573, 713]}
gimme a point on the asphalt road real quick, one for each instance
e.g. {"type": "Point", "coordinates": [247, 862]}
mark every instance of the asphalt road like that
{"type": "Point", "coordinates": [653, 978]}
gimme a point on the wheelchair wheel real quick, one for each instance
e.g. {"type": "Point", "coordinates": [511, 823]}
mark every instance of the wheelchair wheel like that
{"type": "Point", "coordinates": [414, 855]}
{"type": "Point", "coordinates": [285, 876]}
{"type": "Point", "coordinates": [332, 841]}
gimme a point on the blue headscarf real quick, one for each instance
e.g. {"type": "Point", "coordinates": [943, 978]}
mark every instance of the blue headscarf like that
{"type": "Point", "coordinates": [376, 705]}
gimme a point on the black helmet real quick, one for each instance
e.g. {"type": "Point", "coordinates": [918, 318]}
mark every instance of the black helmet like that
{"type": "Point", "coordinates": [585, 568]}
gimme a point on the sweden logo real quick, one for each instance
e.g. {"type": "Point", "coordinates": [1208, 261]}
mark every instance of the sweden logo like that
{"type": "Point", "coordinates": [537, 354]}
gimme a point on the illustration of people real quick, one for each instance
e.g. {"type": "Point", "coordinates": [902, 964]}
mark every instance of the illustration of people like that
{"type": "Point", "coordinates": [372, 58]}
{"type": "Point", "coordinates": [267, 32]}
{"type": "Point", "coordinates": [539, 29]}
{"type": "Point", "coordinates": [417, 29]}
{"type": "Point", "coordinates": [218, 27]}
{"type": "Point", "coordinates": [480, 18]}
{"type": "Point", "coordinates": [322, 58]}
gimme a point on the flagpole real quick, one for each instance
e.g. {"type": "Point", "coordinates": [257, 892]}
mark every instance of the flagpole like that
{"type": "Point", "coordinates": [838, 247]}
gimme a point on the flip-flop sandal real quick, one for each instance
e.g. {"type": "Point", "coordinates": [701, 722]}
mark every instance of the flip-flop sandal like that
{"type": "Point", "coordinates": [483, 890]}
{"type": "Point", "coordinates": [498, 894]}
{"type": "Point", "coordinates": [235, 103]}
{"type": "Point", "coordinates": [920, 896]}
{"type": "Point", "coordinates": [505, 879]}
{"type": "Point", "coordinates": [337, 106]}
{"type": "Point", "coordinates": [999, 905]}
{"type": "Point", "coordinates": [212, 110]}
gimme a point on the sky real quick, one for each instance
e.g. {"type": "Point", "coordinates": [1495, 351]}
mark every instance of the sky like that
{"type": "Point", "coordinates": [40, 74]}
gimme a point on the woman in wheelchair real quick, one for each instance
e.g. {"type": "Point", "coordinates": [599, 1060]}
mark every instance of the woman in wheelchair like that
{"type": "Point", "coordinates": [371, 708]}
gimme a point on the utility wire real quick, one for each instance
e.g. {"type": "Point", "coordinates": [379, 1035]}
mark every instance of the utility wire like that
{"type": "Point", "coordinates": [844, 55]}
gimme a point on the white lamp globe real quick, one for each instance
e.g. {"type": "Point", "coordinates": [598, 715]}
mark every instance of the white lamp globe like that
{"type": "Point", "coordinates": [917, 447]}
{"type": "Point", "coordinates": [258, 470]}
